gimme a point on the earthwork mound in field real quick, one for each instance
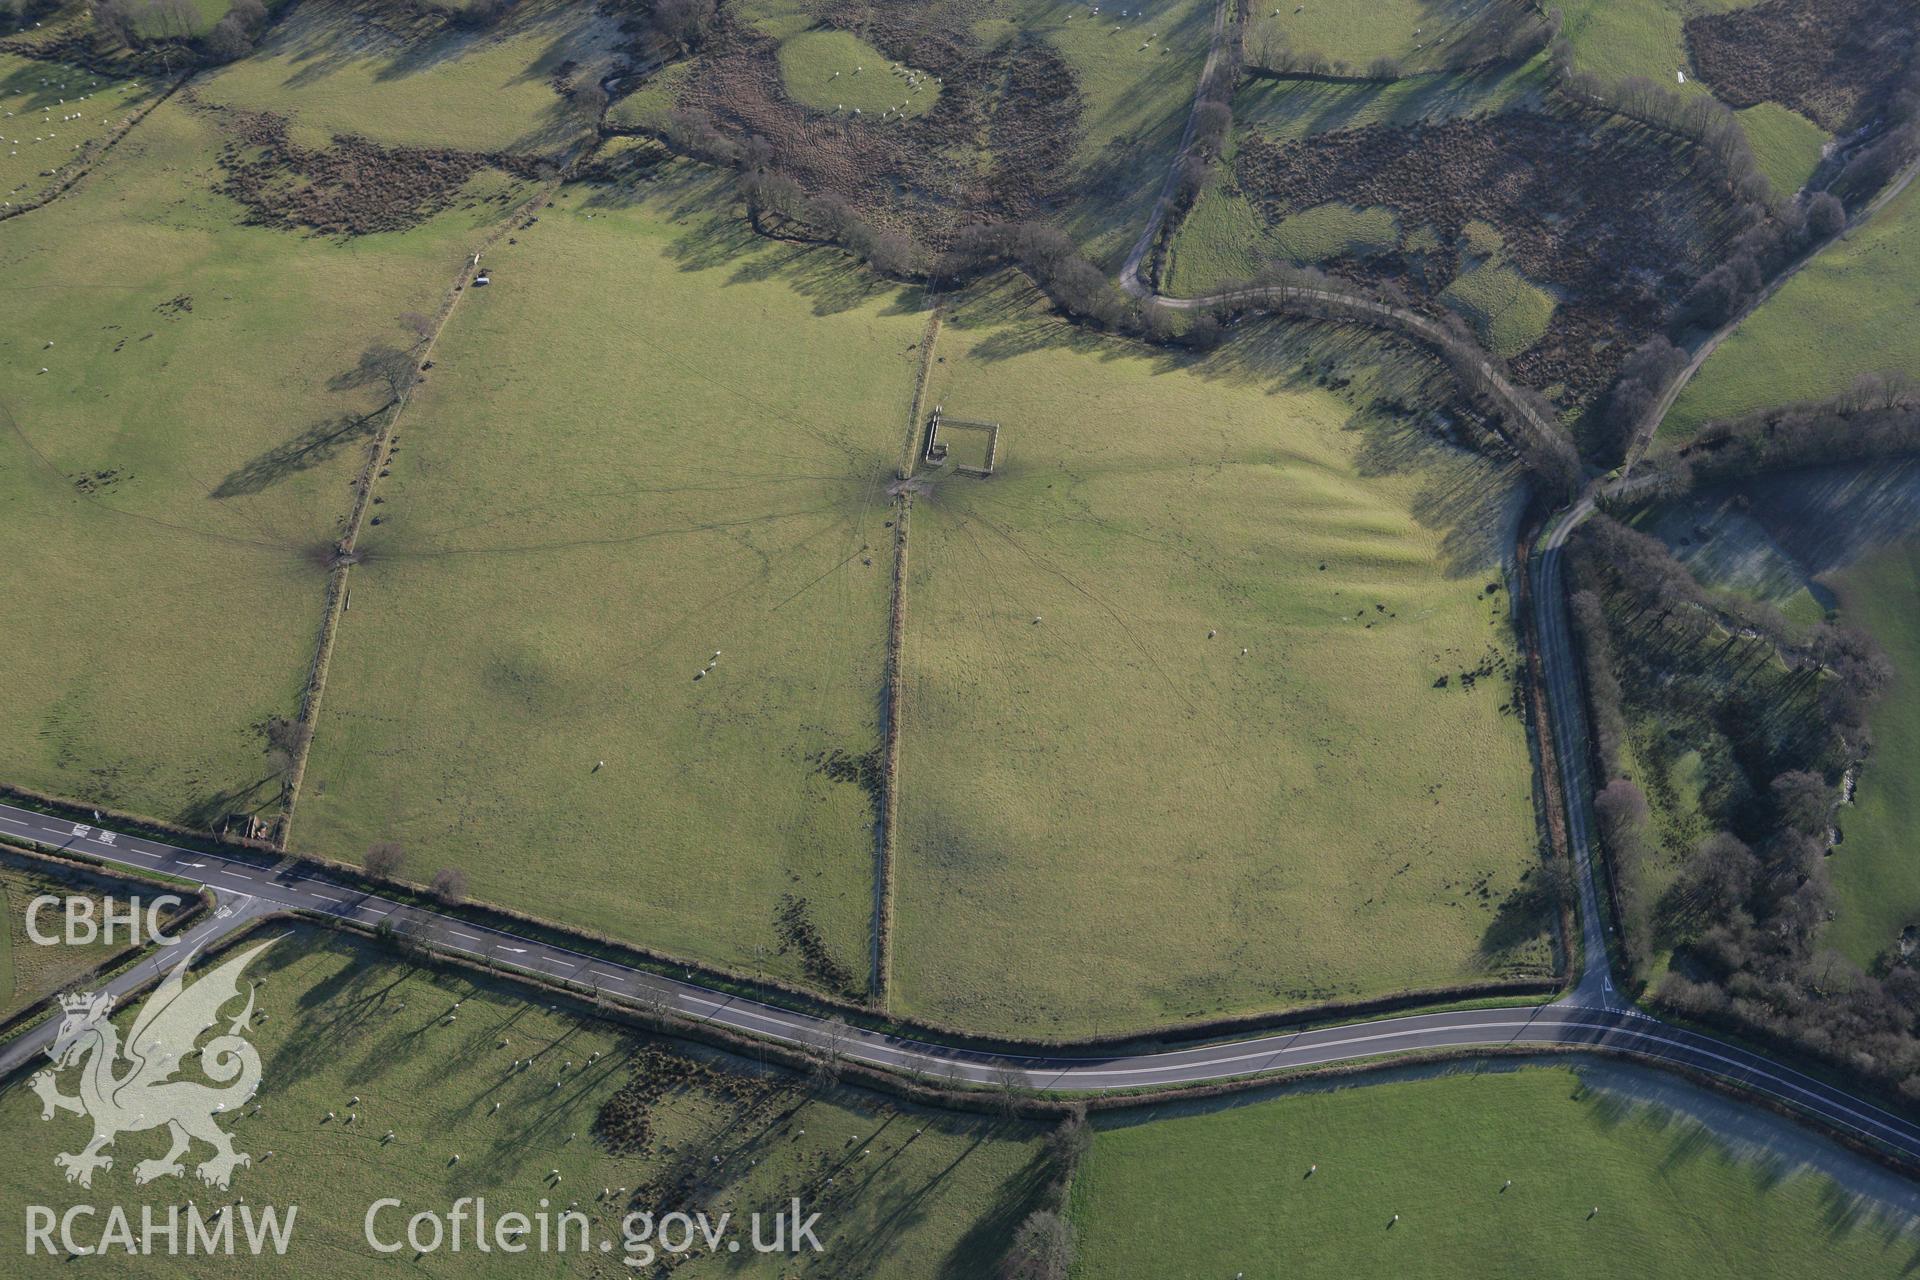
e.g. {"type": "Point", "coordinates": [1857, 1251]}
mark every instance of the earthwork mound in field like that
{"type": "Point", "coordinates": [1613, 224]}
{"type": "Point", "coordinates": [1827, 59]}
{"type": "Point", "coordinates": [997, 144]}
{"type": "Point", "coordinates": [351, 187]}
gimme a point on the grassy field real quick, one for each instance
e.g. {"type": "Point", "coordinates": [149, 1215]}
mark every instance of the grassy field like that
{"type": "Point", "coordinates": [1225, 238]}
{"type": "Point", "coordinates": [349, 1030]}
{"type": "Point", "coordinates": [1293, 109]}
{"type": "Point", "coordinates": [29, 970]}
{"type": "Point", "coordinates": [489, 90]}
{"type": "Point", "coordinates": [1850, 311]}
{"type": "Point", "coordinates": [1416, 33]}
{"type": "Point", "coordinates": [1786, 144]}
{"type": "Point", "coordinates": [1873, 869]}
{"type": "Point", "coordinates": [174, 477]}
{"type": "Point", "coordinates": [35, 134]}
{"type": "Point", "coordinates": [835, 70]}
{"type": "Point", "coordinates": [1136, 93]}
{"type": "Point", "coordinates": [1509, 311]}
{"type": "Point", "coordinates": [648, 106]}
{"type": "Point", "coordinates": [654, 437]}
{"type": "Point", "coordinates": [1410, 1179]}
{"type": "Point", "coordinates": [1052, 877]}
{"type": "Point", "coordinates": [1615, 39]}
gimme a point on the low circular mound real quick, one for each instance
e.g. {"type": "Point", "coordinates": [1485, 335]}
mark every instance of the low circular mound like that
{"type": "Point", "coordinates": [837, 70]}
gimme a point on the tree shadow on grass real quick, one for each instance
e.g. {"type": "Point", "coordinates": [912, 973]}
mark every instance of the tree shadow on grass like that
{"type": "Point", "coordinates": [1523, 915]}
{"type": "Point", "coordinates": [205, 812]}
{"type": "Point", "coordinates": [318, 444]}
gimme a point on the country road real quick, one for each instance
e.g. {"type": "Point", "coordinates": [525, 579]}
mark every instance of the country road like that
{"type": "Point", "coordinates": [1588, 1019]}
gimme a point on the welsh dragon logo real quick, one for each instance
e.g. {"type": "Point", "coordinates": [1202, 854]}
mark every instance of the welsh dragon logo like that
{"type": "Point", "coordinates": [132, 1089]}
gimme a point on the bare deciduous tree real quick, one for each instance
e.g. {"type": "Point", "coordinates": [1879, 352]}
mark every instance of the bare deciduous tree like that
{"type": "Point", "coordinates": [385, 858]}
{"type": "Point", "coordinates": [450, 885]}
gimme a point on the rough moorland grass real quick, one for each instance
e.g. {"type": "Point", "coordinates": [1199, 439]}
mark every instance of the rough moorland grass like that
{"type": "Point", "coordinates": [652, 437]}
{"type": "Point", "coordinates": [1109, 818]}
{"type": "Point", "coordinates": [1873, 869]}
{"type": "Point", "coordinates": [1224, 238]}
{"type": "Point", "coordinates": [915, 1193]}
{"type": "Point", "coordinates": [1850, 311]}
{"type": "Point", "coordinates": [834, 70]}
{"type": "Point", "coordinates": [1135, 105]}
{"type": "Point", "coordinates": [1410, 1182]}
{"type": "Point", "coordinates": [168, 487]}
{"type": "Point", "coordinates": [31, 970]}
{"type": "Point", "coordinates": [1509, 311]}
{"type": "Point", "coordinates": [34, 137]}
{"type": "Point", "coordinates": [485, 90]}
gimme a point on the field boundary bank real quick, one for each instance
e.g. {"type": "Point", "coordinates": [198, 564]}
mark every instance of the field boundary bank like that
{"type": "Point", "coordinates": [87, 163]}
{"type": "Point", "coordinates": [880, 982]}
{"type": "Point", "coordinates": [344, 554]}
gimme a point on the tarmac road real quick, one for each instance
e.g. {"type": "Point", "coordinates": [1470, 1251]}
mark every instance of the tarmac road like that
{"type": "Point", "coordinates": [1589, 1019]}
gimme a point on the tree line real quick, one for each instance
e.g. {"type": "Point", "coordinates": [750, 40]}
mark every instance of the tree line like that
{"type": "Point", "coordinates": [1771, 237]}
{"type": "Point", "coordinates": [1876, 419]}
{"type": "Point", "coordinates": [1777, 719]}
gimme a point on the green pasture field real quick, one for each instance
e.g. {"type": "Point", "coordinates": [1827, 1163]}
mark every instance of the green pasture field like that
{"type": "Point", "coordinates": [1509, 311]}
{"type": "Point", "coordinates": [33, 136]}
{"type": "Point", "coordinates": [654, 436]}
{"type": "Point", "coordinates": [649, 105]}
{"type": "Point", "coordinates": [1873, 867]}
{"type": "Point", "coordinates": [1410, 1177]}
{"type": "Point", "coordinates": [1361, 828]}
{"type": "Point", "coordinates": [172, 482]}
{"type": "Point", "coordinates": [832, 70]}
{"type": "Point", "coordinates": [207, 13]}
{"type": "Point", "coordinates": [913, 1192]}
{"type": "Point", "coordinates": [1850, 311]}
{"type": "Point", "coordinates": [1136, 93]}
{"type": "Point", "coordinates": [30, 970]}
{"type": "Point", "coordinates": [487, 90]}
{"type": "Point", "coordinates": [1786, 143]}
{"type": "Point", "coordinates": [1295, 109]}
{"type": "Point", "coordinates": [1615, 39]}
{"type": "Point", "coordinates": [1225, 238]}
{"type": "Point", "coordinates": [1418, 33]}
